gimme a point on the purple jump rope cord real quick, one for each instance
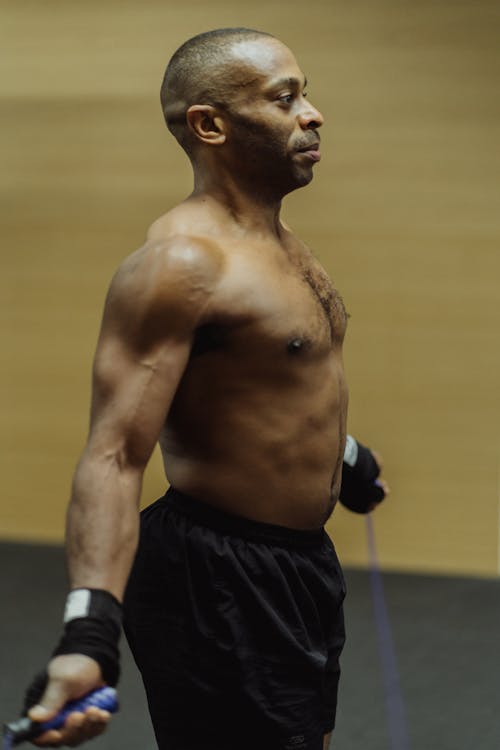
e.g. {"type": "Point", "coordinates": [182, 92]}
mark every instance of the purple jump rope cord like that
{"type": "Point", "coordinates": [394, 703]}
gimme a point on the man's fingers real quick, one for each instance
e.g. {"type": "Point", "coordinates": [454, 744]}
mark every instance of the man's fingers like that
{"type": "Point", "coordinates": [52, 738]}
{"type": "Point", "coordinates": [381, 482]}
{"type": "Point", "coordinates": [49, 706]}
{"type": "Point", "coordinates": [51, 702]}
{"type": "Point", "coordinates": [383, 486]}
{"type": "Point", "coordinates": [78, 727]}
{"type": "Point", "coordinates": [82, 727]}
{"type": "Point", "coordinates": [378, 460]}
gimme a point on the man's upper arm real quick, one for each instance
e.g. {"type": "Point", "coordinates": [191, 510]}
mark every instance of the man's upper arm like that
{"type": "Point", "coordinates": [155, 302]}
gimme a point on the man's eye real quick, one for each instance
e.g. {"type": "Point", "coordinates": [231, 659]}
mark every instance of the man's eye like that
{"type": "Point", "coordinates": [288, 98]}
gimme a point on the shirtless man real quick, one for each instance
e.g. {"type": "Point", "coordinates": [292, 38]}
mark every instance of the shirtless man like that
{"type": "Point", "coordinates": [221, 339]}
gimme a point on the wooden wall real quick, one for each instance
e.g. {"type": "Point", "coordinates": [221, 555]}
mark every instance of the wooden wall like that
{"type": "Point", "coordinates": [404, 213]}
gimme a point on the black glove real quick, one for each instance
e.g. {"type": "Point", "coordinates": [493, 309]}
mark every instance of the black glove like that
{"type": "Point", "coordinates": [360, 489]}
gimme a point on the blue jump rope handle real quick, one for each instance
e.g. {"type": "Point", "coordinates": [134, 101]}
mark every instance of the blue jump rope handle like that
{"type": "Point", "coordinates": [26, 729]}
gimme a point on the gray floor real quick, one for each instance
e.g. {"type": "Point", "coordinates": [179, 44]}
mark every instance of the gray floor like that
{"type": "Point", "coordinates": [446, 634]}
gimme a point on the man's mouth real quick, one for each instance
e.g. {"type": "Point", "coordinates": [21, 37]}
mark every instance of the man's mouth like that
{"type": "Point", "coordinates": [311, 150]}
{"type": "Point", "coordinates": [314, 146]}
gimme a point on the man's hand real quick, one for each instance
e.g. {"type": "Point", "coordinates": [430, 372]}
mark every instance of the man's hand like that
{"type": "Point", "coordinates": [361, 489]}
{"type": "Point", "coordinates": [69, 677]}
{"type": "Point", "coordinates": [380, 482]}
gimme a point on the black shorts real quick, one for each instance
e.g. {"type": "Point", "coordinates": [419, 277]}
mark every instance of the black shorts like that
{"type": "Point", "coordinates": [236, 627]}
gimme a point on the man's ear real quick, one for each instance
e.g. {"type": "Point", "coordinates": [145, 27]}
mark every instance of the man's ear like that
{"type": "Point", "coordinates": [206, 124]}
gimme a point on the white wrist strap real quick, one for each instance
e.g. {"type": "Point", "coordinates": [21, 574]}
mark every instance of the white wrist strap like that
{"type": "Point", "coordinates": [351, 451]}
{"type": "Point", "coordinates": [77, 604]}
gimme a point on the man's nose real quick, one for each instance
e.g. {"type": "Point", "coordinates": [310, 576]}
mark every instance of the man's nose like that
{"type": "Point", "coordinates": [310, 118]}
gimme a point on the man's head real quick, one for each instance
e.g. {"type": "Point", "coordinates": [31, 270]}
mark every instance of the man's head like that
{"type": "Point", "coordinates": [239, 93]}
{"type": "Point", "coordinates": [200, 73]}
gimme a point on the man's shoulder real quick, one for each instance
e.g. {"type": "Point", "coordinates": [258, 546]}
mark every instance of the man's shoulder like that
{"type": "Point", "coordinates": [171, 275]}
{"type": "Point", "coordinates": [172, 259]}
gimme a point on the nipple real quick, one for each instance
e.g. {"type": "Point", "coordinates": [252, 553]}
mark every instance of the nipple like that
{"type": "Point", "coordinates": [294, 346]}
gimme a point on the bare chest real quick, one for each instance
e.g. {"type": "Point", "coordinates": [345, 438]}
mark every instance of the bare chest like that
{"type": "Point", "coordinates": [286, 306]}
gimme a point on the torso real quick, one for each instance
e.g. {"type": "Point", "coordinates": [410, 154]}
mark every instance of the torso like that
{"type": "Point", "coordinates": [257, 426]}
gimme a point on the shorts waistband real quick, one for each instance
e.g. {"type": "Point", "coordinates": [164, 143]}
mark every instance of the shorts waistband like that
{"type": "Point", "coordinates": [239, 526]}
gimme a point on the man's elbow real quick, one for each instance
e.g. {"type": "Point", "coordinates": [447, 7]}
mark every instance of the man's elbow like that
{"type": "Point", "coordinates": [119, 460]}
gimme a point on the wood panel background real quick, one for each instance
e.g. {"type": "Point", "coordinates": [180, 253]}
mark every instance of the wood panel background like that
{"type": "Point", "coordinates": [404, 213]}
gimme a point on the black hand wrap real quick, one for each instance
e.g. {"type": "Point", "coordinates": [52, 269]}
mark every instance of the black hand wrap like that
{"type": "Point", "coordinates": [92, 627]}
{"type": "Point", "coordinates": [360, 489]}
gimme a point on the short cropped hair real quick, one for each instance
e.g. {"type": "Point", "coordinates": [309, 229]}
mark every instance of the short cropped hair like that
{"type": "Point", "coordinates": [198, 73]}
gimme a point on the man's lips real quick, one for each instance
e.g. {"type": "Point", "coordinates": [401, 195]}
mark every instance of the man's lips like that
{"type": "Point", "coordinates": [311, 151]}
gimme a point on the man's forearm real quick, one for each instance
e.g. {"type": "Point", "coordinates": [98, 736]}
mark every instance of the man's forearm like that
{"type": "Point", "coordinates": [103, 524]}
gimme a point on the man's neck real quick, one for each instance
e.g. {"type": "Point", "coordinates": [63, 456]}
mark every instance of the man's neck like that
{"type": "Point", "coordinates": [251, 209]}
